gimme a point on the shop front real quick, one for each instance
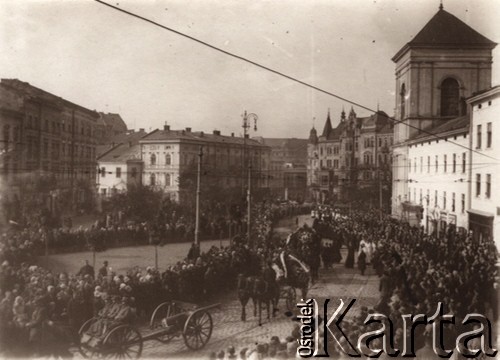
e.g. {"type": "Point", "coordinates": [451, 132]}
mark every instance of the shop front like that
{"type": "Point", "coordinates": [481, 224]}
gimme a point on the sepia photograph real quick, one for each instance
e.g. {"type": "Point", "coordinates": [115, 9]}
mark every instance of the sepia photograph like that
{"type": "Point", "coordinates": [249, 179]}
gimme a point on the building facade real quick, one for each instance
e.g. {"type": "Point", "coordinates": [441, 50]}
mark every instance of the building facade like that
{"type": "Point", "coordinates": [287, 173]}
{"type": "Point", "coordinates": [119, 163]}
{"type": "Point", "coordinates": [484, 176]}
{"type": "Point", "coordinates": [349, 162]}
{"type": "Point", "coordinates": [49, 141]}
{"type": "Point", "coordinates": [170, 160]}
{"type": "Point", "coordinates": [445, 63]}
{"type": "Point", "coordinates": [437, 171]}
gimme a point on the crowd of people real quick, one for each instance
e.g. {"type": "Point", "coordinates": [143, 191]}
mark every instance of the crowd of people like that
{"type": "Point", "coordinates": [38, 305]}
{"type": "Point", "coordinates": [416, 270]}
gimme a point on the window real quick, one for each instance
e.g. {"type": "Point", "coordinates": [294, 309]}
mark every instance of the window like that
{"type": "Point", "coordinates": [437, 163]}
{"type": "Point", "coordinates": [168, 159]}
{"type": "Point", "coordinates": [152, 180]}
{"type": "Point", "coordinates": [415, 165]}
{"type": "Point", "coordinates": [133, 172]}
{"type": "Point", "coordinates": [463, 162]}
{"type": "Point", "coordinates": [454, 168]}
{"type": "Point", "coordinates": [118, 172]}
{"type": "Point", "coordinates": [435, 198]}
{"type": "Point", "coordinates": [444, 200]}
{"type": "Point", "coordinates": [167, 180]}
{"type": "Point", "coordinates": [421, 164]}
{"type": "Point", "coordinates": [478, 141]}
{"type": "Point", "coordinates": [153, 159]}
{"type": "Point", "coordinates": [103, 172]}
{"type": "Point", "coordinates": [329, 163]}
{"type": "Point", "coordinates": [453, 202]}
{"type": "Point", "coordinates": [488, 186]}
{"type": "Point", "coordinates": [428, 197]}
{"type": "Point", "coordinates": [463, 203]}
{"type": "Point", "coordinates": [402, 96]}
{"type": "Point", "coordinates": [409, 165]}
{"type": "Point", "coordinates": [103, 192]}
{"type": "Point", "coordinates": [478, 184]}
{"type": "Point", "coordinates": [488, 135]}
{"type": "Point", "coordinates": [428, 164]}
{"type": "Point", "coordinates": [450, 97]}
{"type": "Point", "coordinates": [420, 197]}
{"type": "Point", "coordinates": [335, 164]}
{"type": "Point", "coordinates": [445, 162]}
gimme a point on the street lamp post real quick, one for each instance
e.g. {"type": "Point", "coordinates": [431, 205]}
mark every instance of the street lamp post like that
{"type": "Point", "coordinates": [247, 161]}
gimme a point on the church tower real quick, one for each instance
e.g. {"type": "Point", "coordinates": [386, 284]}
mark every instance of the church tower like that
{"type": "Point", "coordinates": [445, 63]}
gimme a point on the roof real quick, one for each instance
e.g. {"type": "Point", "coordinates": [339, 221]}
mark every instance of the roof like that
{"type": "Point", "coordinates": [113, 120]}
{"type": "Point", "coordinates": [121, 153]}
{"type": "Point", "coordinates": [446, 30]}
{"type": "Point", "coordinates": [290, 143]}
{"type": "Point", "coordinates": [198, 136]}
{"type": "Point", "coordinates": [456, 124]}
{"type": "Point", "coordinates": [328, 126]}
{"type": "Point", "coordinates": [483, 94]}
{"type": "Point", "coordinates": [131, 136]}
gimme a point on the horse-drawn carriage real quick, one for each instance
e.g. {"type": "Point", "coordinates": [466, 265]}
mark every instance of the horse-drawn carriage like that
{"type": "Point", "coordinates": [169, 320]}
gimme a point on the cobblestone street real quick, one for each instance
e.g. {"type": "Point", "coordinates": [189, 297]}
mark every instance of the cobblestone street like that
{"type": "Point", "coordinates": [229, 330]}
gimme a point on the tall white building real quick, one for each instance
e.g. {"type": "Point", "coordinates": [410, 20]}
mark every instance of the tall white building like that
{"type": "Point", "coordinates": [445, 63]}
{"type": "Point", "coordinates": [484, 213]}
{"type": "Point", "coordinates": [437, 171]}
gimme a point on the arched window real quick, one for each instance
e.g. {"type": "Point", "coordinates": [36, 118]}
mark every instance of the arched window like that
{"type": "Point", "coordinates": [168, 159]}
{"type": "Point", "coordinates": [152, 180]}
{"type": "Point", "coordinates": [450, 97]}
{"type": "Point", "coordinates": [402, 96]}
{"type": "Point", "coordinates": [153, 159]}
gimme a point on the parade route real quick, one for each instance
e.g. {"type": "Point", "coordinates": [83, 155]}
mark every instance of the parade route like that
{"type": "Point", "coordinates": [229, 330]}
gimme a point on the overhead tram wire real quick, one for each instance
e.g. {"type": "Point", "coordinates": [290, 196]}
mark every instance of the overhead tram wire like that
{"type": "Point", "coordinates": [213, 47]}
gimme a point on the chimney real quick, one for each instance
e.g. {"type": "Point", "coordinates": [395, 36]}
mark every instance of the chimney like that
{"type": "Point", "coordinates": [141, 130]}
{"type": "Point", "coordinates": [232, 134]}
{"type": "Point", "coordinates": [188, 129]}
{"type": "Point", "coordinates": [166, 127]}
{"type": "Point", "coordinates": [202, 133]}
{"type": "Point", "coordinates": [216, 132]}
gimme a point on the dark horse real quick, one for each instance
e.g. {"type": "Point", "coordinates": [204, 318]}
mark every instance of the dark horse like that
{"type": "Point", "coordinates": [245, 293]}
{"type": "Point", "coordinates": [262, 289]}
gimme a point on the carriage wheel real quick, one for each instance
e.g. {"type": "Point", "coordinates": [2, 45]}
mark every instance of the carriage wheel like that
{"type": "Point", "coordinates": [84, 349]}
{"type": "Point", "coordinates": [163, 311]}
{"type": "Point", "coordinates": [197, 330]}
{"type": "Point", "coordinates": [124, 341]}
{"type": "Point", "coordinates": [291, 299]}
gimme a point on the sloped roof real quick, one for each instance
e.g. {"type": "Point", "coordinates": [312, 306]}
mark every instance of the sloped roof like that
{"type": "Point", "coordinates": [446, 30]}
{"type": "Point", "coordinates": [131, 137]}
{"type": "Point", "coordinates": [122, 153]}
{"type": "Point", "coordinates": [113, 120]}
{"type": "Point", "coordinates": [456, 124]}
{"type": "Point", "coordinates": [198, 136]}
{"type": "Point", "coordinates": [328, 126]}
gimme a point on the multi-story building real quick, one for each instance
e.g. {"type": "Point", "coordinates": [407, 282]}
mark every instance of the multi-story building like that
{"type": "Point", "coordinates": [171, 156]}
{"type": "Point", "coordinates": [287, 173]}
{"type": "Point", "coordinates": [109, 126]}
{"type": "Point", "coordinates": [46, 136]}
{"type": "Point", "coordinates": [437, 173]}
{"type": "Point", "coordinates": [350, 161]}
{"type": "Point", "coordinates": [445, 63]}
{"type": "Point", "coordinates": [484, 175]}
{"type": "Point", "coordinates": [121, 165]}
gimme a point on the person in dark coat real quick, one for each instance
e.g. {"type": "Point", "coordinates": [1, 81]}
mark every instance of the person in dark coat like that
{"type": "Point", "coordinates": [362, 261]}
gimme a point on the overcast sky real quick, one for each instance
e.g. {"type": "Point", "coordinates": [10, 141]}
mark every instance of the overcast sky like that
{"type": "Point", "coordinates": [105, 60]}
